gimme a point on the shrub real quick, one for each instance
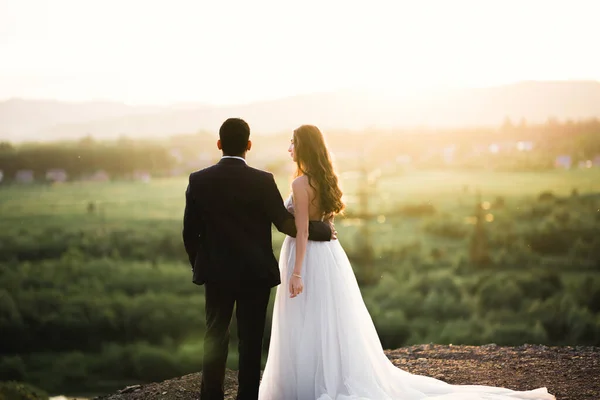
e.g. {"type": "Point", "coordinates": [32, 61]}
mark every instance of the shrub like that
{"type": "Point", "coordinates": [446, 228]}
{"type": "Point", "coordinates": [12, 369]}
{"type": "Point", "coordinates": [71, 369]}
{"type": "Point", "coordinates": [515, 333]}
{"type": "Point", "coordinates": [500, 294]}
{"type": "Point", "coordinates": [540, 286]}
{"type": "Point", "coordinates": [459, 331]}
{"type": "Point", "coordinates": [154, 364]}
{"type": "Point", "coordinates": [546, 196]}
{"type": "Point", "coordinates": [21, 391]}
{"type": "Point", "coordinates": [392, 328]}
{"type": "Point", "coordinates": [550, 241]}
{"type": "Point", "coordinates": [417, 210]}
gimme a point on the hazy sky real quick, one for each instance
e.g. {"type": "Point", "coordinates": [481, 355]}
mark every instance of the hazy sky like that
{"type": "Point", "coordinates": [222, 51]}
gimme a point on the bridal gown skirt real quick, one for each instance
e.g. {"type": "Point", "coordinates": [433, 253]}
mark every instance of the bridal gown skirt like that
{"type": "Point", "coordinates": [324, 345]}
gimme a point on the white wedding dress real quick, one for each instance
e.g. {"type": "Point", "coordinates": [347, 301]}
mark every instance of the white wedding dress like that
{"type": "Point", "coordinates": [324, 345]}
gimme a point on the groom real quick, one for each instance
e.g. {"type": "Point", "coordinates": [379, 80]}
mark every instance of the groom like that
{"type": "Point", "coordinates": [227, 235]}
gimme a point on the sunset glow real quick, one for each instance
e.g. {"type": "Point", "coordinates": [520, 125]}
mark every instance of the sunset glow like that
{"type": "Point", "coordinates": [224, 52]}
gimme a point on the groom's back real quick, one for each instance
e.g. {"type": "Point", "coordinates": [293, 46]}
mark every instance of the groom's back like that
{"type": "Point", "coordinates": [236, 229]}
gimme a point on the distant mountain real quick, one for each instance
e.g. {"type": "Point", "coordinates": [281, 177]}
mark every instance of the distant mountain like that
{"type": "Point", "coordinates": [32, 119]}
{"type": "Point", "coordinates": [535, 101]}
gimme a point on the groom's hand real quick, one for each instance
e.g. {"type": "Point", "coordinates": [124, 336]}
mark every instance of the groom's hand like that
{"type": "Point", "coordinates": [333, 231]}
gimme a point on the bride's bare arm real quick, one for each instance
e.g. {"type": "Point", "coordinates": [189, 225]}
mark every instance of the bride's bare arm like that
{"type": "Point", "coordinates": [284, 221]}
{"type": "Point", "coordinates": [301, 203]}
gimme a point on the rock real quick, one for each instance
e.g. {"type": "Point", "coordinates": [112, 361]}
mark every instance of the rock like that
{"type": "Point", "coordinates": [130, 389]}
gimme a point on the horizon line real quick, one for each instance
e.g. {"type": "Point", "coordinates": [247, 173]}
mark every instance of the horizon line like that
{"type": "Point", "coordinates": [200, 103]}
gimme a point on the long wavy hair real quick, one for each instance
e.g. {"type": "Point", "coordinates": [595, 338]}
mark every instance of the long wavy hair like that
{"type": "Point", "coordinates": [314, 161]}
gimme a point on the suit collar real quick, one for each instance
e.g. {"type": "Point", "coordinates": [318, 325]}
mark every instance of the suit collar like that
{"type": "Point", "coordinates": [232, 160]}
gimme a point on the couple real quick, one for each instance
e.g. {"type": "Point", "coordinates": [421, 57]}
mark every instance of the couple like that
{"type": "Point", "coordinates": [323, 342]}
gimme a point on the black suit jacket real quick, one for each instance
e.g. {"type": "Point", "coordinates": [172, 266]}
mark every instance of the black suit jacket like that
{"type": "Point", "coordinates": [227, 224]}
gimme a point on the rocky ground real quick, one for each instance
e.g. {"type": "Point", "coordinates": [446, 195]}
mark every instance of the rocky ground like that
{"type": "Point", "coordinates": [570, 373]}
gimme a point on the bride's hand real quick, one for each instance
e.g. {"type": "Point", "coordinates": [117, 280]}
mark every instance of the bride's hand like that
{"type": "Point", "coordinates": [296, 286]}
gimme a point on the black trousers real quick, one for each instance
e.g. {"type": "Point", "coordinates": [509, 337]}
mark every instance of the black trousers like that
{"type": "Point", "coordinates": [251, 309]}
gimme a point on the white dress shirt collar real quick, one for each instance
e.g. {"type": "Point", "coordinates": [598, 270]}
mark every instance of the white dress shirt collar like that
{"type": "Point", "coordinates": [239, 158]}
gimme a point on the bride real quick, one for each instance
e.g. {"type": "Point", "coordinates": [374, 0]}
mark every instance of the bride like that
{"type": "Point", "coordinates": [323, 342]}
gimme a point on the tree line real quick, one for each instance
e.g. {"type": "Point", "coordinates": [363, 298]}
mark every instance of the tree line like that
{"type": "Point", "coordinates": [579, 140]}
{"type": "Point", "coordinates": [85, 157]}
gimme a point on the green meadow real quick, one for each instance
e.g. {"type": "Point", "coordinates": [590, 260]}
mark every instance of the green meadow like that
{"type": "Point", "coordinates": [95, 290]}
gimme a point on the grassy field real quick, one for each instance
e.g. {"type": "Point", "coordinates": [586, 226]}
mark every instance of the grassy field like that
{"type": "Point", "coordinates": [141, 206]}
{"type": "Point", "coordinates": [92, 300]}
{"type": "Point", "coordinates": [163, 199]}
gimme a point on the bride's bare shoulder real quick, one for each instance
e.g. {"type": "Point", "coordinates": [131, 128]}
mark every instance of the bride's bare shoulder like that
{"type": "Point", "coordinates": [300, 182]}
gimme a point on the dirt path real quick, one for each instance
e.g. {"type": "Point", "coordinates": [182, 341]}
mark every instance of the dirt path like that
{"type": "Point", "coordinates": [570, 373]}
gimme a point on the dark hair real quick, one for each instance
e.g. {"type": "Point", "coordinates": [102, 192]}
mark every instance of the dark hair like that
{"type": "Point", "coordinates": [314, 161]}
{"type": "Point", "coordinates": [234, 135]}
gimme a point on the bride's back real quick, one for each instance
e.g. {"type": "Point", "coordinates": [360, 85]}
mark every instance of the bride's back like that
{"type": "Point", "coordinates": [314, 206]}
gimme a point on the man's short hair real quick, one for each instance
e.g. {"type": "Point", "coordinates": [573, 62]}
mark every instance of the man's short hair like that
{"type": "Point", "coordinates": [234, 135]}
